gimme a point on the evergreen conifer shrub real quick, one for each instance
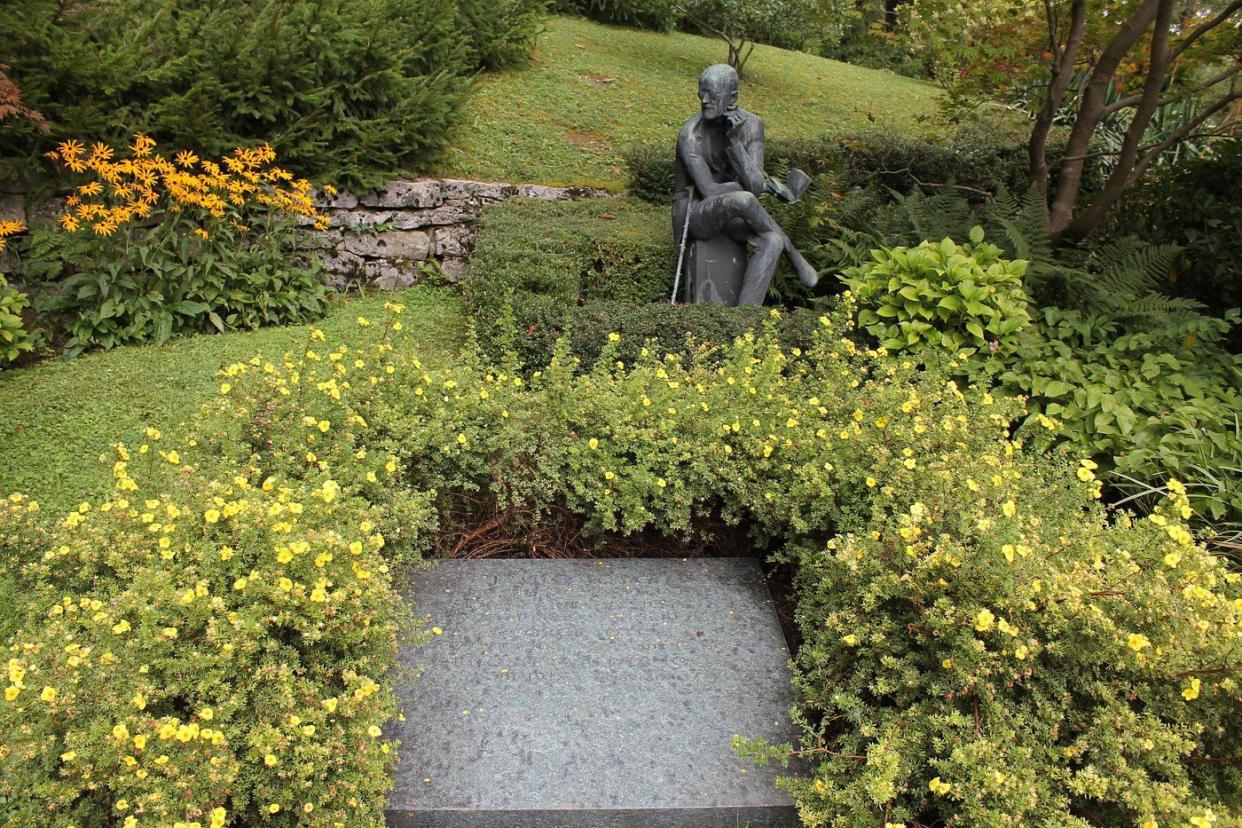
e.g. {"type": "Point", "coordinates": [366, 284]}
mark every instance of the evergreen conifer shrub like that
{"type": "Point", "coordinates": [344, 90]}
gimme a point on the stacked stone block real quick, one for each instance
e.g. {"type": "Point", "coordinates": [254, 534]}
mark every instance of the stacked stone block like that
{"type": "Point", "coordinates": [386, 237]}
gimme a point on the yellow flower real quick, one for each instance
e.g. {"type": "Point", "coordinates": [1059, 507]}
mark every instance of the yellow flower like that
{"type": "Point", "coordinates": [461, 439]}
{"type": "Point", "coordinates": [270, 760]}
{"type": "Point", "coordinates": [324, 425]}
{"type": "Point", "coordinates": [939, 787]}
{"type": "Point", "coordinates": [11, 692]}
{"type": "Point", "coordinates": [1009, 508]}
{"type": "Point", "coordinates": [1137, 642]}
{"type": "Point", "coordinates": [273, 808]}
{"type": "Point", "coordinates": [593, 443]}
{"type": "Point", "coordinates": [984, 619]}
{"type": "Point", "coordinates": [140, 741]}
{"type": "Point", "coordinates": [48, 694]}
{"type": "Point", "coordinates": [1191, 691]}
{"type": "Point", "coordinates": [373, 731]}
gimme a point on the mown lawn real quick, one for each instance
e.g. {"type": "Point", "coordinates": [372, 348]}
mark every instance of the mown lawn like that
{"type": "Point", "coordinates": [59, 417]}
{"type": "Point", "coordinates": [591, 91]}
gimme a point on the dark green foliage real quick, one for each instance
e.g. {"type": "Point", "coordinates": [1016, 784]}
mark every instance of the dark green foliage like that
{"type": "Point", "coordinates": [344, 90]}
{"type": "Point", "coordinates": [545, 270]}
{"type": "Point", "coordinates": [651, 165]}
{"type": "Point", "coordinates": [984, 156]}
{"type": "Point", "coordinates": [1138, 380]}
{"type": "Point", "coordinates": [1195, 205]}
{"type": "Point", "coordinates": [501, 32]}
{"type": "Point", "coordinates": [161, 281]}
{"type": "Point", "coordinates": [656, 15]}
{"type": "Point", "coordinates": [530, 254]}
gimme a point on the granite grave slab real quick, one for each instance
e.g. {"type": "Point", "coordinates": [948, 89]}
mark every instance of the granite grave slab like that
{"type": "Point", "coordinates": [593, 694]}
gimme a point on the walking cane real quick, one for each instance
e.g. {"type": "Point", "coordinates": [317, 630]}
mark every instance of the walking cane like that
{"type": "Point", "coordinates": [685, 231]}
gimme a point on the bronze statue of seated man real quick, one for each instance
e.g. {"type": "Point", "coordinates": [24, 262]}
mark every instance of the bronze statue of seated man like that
{"type": "Point", "coordinates": [719, 178]}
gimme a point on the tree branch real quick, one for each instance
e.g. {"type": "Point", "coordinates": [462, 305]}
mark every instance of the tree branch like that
{"type": "Point", "coordinates": [1088, 117]}
{"type": "Point", "coordinates": [1124, 170]}
{"type": "Point", "coordinates": [1062, 75]}
{"type": "Point", "coordinates": [1131, 100]}
{"type": "Point", "coordinates": [1184, 131]}
{"type": "Point", "coordinates": [1219, 133]}
{"type": "Point", "coordinates": [1205, 27]}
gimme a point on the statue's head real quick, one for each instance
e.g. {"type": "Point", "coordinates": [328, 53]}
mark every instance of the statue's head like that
{"type": "Point", "coordinates": [718, 90]}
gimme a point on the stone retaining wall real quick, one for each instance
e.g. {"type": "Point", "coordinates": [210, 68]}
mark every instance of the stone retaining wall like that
{"type": "Point", "coordinates": [383, 238]}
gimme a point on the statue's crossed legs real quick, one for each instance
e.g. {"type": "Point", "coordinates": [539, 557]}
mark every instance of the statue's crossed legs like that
{"type": "Point", "coordinates": [743, 218]}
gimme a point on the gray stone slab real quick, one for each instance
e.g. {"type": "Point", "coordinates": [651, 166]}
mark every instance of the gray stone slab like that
{"type": "Point", "coordinates": [716, 269]}
{"type": "Point", "coordinates": [592, 693]}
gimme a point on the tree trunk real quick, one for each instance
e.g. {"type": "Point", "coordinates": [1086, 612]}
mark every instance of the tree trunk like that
{"type": "Point", "coordinates": [1091, 112]}
{"type": "Point", "coordinates": [1123, 172]}
{"type": "Point", "coordinates": [1063, 59]}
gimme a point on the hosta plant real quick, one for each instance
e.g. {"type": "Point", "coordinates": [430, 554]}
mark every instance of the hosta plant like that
{"type": "Point", "coordinates": [959, 297]}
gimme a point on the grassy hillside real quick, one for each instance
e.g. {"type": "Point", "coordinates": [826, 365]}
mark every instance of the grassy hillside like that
{"type": "Point", "coordinates": [60, 416]}
{"type": "Point", "coordinates": [593, 90]}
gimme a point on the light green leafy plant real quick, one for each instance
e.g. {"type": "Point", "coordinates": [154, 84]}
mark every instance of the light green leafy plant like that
{"type": "Point", "coordinates": [957, 297]}
{"type": "Point", "coordinates": [14, 338]}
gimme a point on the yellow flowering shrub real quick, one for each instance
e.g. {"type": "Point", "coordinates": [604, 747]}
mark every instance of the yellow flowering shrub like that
{"type": "Point", "coordinates": [989, 646]}
{"type": "Point", "coordinates": [972, 616]}
{"type": "Point", "coordinates": [983, 643]}
{"type": "Point", "coordinates": [198, 652]}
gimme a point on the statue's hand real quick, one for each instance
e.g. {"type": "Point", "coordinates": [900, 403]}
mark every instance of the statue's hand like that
{"type": "Point", "coordinates": [735, 119]}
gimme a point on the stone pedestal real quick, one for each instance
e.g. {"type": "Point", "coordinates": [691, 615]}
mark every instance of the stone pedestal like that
{"type": "Point", "coordinates": [593, 694]}
{"type": "Point", "coordinates": [714, 271]}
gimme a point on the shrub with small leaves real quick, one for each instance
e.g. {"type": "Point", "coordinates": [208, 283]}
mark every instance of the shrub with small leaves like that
{"type": "Point", "coordinates": [957, 297]}
{"type": "Point", "coordinates": [991, 648]}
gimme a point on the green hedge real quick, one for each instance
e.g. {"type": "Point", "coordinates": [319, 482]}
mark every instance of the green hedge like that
{"type": "Point", "coordinates": [542, 271]}
{"type": "Point", "coordinates": [983, 155]}
{"type": "Point", "coordinates": [656, 15]}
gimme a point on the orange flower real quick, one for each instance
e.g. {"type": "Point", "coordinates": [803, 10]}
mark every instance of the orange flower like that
{"type": "Point", "coordinates": [101, 152]}
{"type": "Point", "coordinates": [142, 145]}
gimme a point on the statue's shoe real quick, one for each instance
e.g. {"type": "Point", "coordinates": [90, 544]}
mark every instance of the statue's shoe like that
{"type": "Point", "coordinates": [807, 275]}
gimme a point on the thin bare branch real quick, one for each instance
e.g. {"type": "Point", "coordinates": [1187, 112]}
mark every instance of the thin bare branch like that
{"type": "Point", "coordinates": [1205, 27]}
{"type": "Point", "coordinates": [1185, 130]}
{"type": "Point", "coordinates": [1132, 100]}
